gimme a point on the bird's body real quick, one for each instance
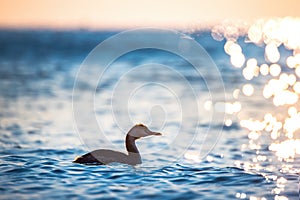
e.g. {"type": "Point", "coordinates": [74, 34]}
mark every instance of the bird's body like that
{"type": "Point", "coordinates": [102, 157]}
{"type": "Point", "coordinates": [105, 156]}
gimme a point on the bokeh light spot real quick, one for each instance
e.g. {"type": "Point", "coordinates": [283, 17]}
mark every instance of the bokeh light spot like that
{"type": "Point", "coordinates": [248, 89]}
{"type": "Point", "coordinates": [275, 69]}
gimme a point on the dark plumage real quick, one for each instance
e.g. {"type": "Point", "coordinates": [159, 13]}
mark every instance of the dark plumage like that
{"type": "Point", "coordinates": [104, 156]}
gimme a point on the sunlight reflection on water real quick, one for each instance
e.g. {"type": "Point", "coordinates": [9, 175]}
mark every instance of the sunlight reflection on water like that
{"type": "Point", "coordinates": [278, 77]}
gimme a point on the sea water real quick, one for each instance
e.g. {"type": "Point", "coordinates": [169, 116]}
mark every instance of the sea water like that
{"type": "Point", "coordinates": [39, 139]}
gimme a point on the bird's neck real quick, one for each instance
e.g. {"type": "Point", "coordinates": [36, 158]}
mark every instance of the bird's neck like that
{"type": "Point", "coordinates": [130, 144]}
{"type": "Point", "coordinates": [134, 156]}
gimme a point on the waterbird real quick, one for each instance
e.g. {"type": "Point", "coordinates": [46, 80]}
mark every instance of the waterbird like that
{"type": "Point", "coordinates": [105, 156]}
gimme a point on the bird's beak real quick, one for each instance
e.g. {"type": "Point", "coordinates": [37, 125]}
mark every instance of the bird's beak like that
{"type": "Point", "coordinates": [154, 133]}
{"type": "Point", "coordinates": [157, 133]}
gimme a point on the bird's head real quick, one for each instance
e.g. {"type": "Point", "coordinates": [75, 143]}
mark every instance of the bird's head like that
{"type": "Point", "coordinates": [141, 130]}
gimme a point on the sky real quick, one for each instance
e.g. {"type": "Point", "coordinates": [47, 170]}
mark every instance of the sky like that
{"type": "Point", "coordinates": [110, 14]}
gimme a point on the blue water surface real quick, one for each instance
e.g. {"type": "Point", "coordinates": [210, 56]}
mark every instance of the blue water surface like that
{"type": "Point", "coordinates": [38, 141]}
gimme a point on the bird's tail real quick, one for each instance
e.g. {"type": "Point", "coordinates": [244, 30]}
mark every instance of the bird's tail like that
{"type": "Point", "coordinates": [87, 159]}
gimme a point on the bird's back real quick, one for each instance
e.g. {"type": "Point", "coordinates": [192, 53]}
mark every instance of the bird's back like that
{"type": "Point", "coordinates": [102, 157]}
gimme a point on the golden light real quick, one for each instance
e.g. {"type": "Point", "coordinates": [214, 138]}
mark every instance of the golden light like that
{"type": "Point", "coordinates": [285, 97]}
{"type": "Point", "coordinates": [292, 124]}
{"type": "Point", "coordinates": [283, 89]}
{"type": "Point", "coordinates": [255, 33]}
{"type": "Point", "coordinates": [237, 106]}
{"type": "Point", "coordinates": [291, 40]}
{"type": "Point", "coordinates": [253, 135]}
{"type": "Point", "coordinates": [297, 71]}
{"type": "Point", "coordinates": [274, 135]}
{"type": "Point", "coordinates": [296, 87]}
{"type": "Point", "coordinates": [292, 111]}
{"type": "Point", "coordinates": [236, 93]}
{"type": "Point", "coordinates": [297, 58]}
{"type": "Point", "coordinates": [237, 60]}
{"type": "Point", "coordinates": [253, 125]}
{"type": "Point", "coordinates": [268, 117]}
{"type": "Point", "coordinates": [264, 69]}
{"type": "Point", "coordinates": [286, 150]}
{"type": "Point", "coordinates": [292, 79]}
{"type": "Point", "coordinates": [248, 73]}
{"type": "Point", "coordinates": [231, 48]}
{"type": "Point", "coordinates": [276, 85]}
{"type": "Point", "coordinates": [251, 69]}
{"type": "Point", "coordinates": [271, 52]}
{"type": "Point", "coordinates": [291, 62]}
{"type": "Point", "coordinates": [268, 91]}
{"type": "Point", "coordinates": [252, 62]}
{"type": "Point", "coordinates": [248, 89]}
{"type": "Point", "coordinates": [227, 107]}
{"type": "Point", "coordinates": [275, 69]}
{"type": "Point", "coordinates": [217, 33]}
{"type": "Point", "coordinates": [284, 78]}
{"type": "Point", "coordinates": [228, 122]}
